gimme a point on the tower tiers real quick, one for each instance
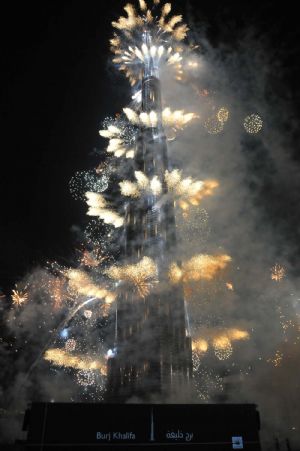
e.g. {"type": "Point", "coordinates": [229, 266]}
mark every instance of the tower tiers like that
{"type": "Point", "coordinates": [153, 351]}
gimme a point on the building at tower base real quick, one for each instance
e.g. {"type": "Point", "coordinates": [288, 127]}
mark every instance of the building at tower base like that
{"type": "Point", "coordinates": [218, 427]}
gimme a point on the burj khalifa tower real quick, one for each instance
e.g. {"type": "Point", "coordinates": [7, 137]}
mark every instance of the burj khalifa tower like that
{"type": "Point", "coordinates": [152, 358]}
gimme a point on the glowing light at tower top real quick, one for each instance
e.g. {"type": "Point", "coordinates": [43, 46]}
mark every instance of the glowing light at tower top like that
{"type": "Point", "coordinates": [148, 36]}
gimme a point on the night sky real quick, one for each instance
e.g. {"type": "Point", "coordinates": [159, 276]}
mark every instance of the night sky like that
{"type": "Point", "coordinates": [59, 86]}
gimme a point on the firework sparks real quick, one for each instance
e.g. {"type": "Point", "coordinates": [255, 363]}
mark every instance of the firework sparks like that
{"type": "Point", "coordinates": [129, 48]}
{"type": "Point", "coordinates": [122, 137]}
{"type": "Point", "coordinates": [237, 334]}
{"type": "Point", "coordinates": [222, 347]}
{"type": "Point", "coordinates": [97, 204]}
{"type": "Point", "coordinates": [19, 297]}
{"type": "Point", "coordinates": [223, 115]}
{"type": "Point", "coordinates": [198, 267]}
{"type": "Point", "coordinates": [253, 124]}
{"type": "Point", "coordinates": [70, 345]}
{"type": "Point", "coordinates": [142, 275]}
{"type": "Point", "coordinates": [129, 189]}
{"type": "Point", "coordinates": [277, 272]}
{"type": "Point", "coordinates": [92, 259]}
{"type": "Point", "coordinates": [201, 346]}
{"type": "Point", "coordinates": [276, 360]}
{"type": "Point", "coordinates": [86, 378]}
{"type": "Point", "coordinates": [95, 201]}
{"type": "Point", "coordinates": [97, 234]}
{"type": "Point", "coordinates": [57, 292]}
{"type": "Point", "coordinates": [135, 190]}
{"type": "Point", "coordinates": [88, 314]}
{"type": "Point", "coordinates": [81, 283]}
{"type": "Point", "coordinates": [142, 180]}
{"type": "Point", "coordinates": [229, 286]}
{"type": "Point", "coordinates": [221, 342]}
{"type": "Point", "coordinates": [89, 260]}
{"type": "Point", "coordinates": [61, 357]}
{"type": "Point", "coordinates": [93, 180]}
{"type": "Point", "coordinates": [188, 191]}
{"type": "Point", "coordinates": [177, 119]}
{"type": "Point", "coordinates": [207, 382]}
{"type": "Point", "coordinates": [213, 125]}
{"type": "Point", "coordinates": [192, 224]}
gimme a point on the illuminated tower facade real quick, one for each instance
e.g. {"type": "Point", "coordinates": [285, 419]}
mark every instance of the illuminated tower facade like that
{"type": "Point", "coordinates": [152, 355]}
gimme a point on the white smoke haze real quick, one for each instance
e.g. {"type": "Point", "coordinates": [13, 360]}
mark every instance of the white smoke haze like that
{"type": "Point", "coordinates": [246, 166]}
{"type": "Point", "coordinates": [253, 172]}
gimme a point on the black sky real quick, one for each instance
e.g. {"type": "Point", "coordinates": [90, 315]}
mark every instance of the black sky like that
{"type": "Point", "coordinates": [58, 86]}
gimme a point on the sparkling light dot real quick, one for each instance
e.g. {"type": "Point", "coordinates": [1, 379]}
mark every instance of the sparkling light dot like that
{"type": "Point", "coordinates": [253, 124]}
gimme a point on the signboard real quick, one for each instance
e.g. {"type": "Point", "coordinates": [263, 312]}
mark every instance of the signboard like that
{"type": "Point", "coordinates": [113, 426]}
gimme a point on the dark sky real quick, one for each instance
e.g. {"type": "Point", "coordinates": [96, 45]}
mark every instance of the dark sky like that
{"type": "Point", "coordinates": [58, 86]}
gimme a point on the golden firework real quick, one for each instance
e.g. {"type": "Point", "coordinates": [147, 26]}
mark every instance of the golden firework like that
{"type": "Point", "coordinates": [82, 284]}
{"type": "Point", "coordinates": [97, 207]}
{"type": "Point", "coordinates": [277, 272]}
{"type": "Point", "coordinates": [276, 360]}
{"type": "Point", "coordinates": [229, 286]}
{"type": "Point", "coordinates": [142, 275]}
{"type": "Point", "coordinates": [237, 334]}
{"type": "Point", "coordinates": [143, 183]}
{"type": "Point", "coordinates": [177, 119]}
{"type": "Point", "coordinates": [117, 145]}
{"type": "Point", "coordinates": [61, 357]}
{"type": "Point", "coordinates": [201, 346]}
{"type": "Point", "coordinates": [222, 347]}
{"type": "Point", "coordinates": [91, 260]}
{"type": "Point", "coordinates": [220, 340]}
{"type": "Point", "coordinates": [129, 189]}
{"type": "Point", "coordinates": [199, 267]}
{"type": "Point", "coordinates": [223, 114]}
{"type": "Point", "coordinates": [213, 125]}
{"type": "Point", "coordinates": [19, 297]}
{"type": "Point", "coordinates": [166, 32]}
{"type": "Point", "coordinates": [188, 191]}
{"type": "Point", "coordinates": [56, 291]}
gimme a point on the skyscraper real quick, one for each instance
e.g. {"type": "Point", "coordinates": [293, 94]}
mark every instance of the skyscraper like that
{"type": "Point", "coordinates": [152, 354]}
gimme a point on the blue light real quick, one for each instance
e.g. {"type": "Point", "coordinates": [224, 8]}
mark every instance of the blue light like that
{"type": "Point", "coordinates": [237, 443]}
{"type": "Point", "coordinates": [64, 333]}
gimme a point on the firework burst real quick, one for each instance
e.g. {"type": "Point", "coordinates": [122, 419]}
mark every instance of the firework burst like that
{"type": "Point", "coordinates": [142, 275]}
{"type": "Point", "coordinates": [98, 207]}
{"type": "Point", "coordinates": [198, 267]}
{"type": "Point", "coordinates": [122, 137]}
{"type": "Point", "coordinates": [82, 284]}
{"type": "Point", "coordinates": [60, 357]}
{"type": "Point", "coordinates": [19, 297]}
{"type": "Point", "coordinates": [253, 124]}
{"type": "Point", "coordinates": [186, 191]}
{"type": "Point", "coordinates": [277, 272]}
{"type": "Point", "coordinates": [95, 180]}
{"type": "Point", "coordinates": [132, 50]}
{"type": "Point", "coordinates": [176, 120]}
